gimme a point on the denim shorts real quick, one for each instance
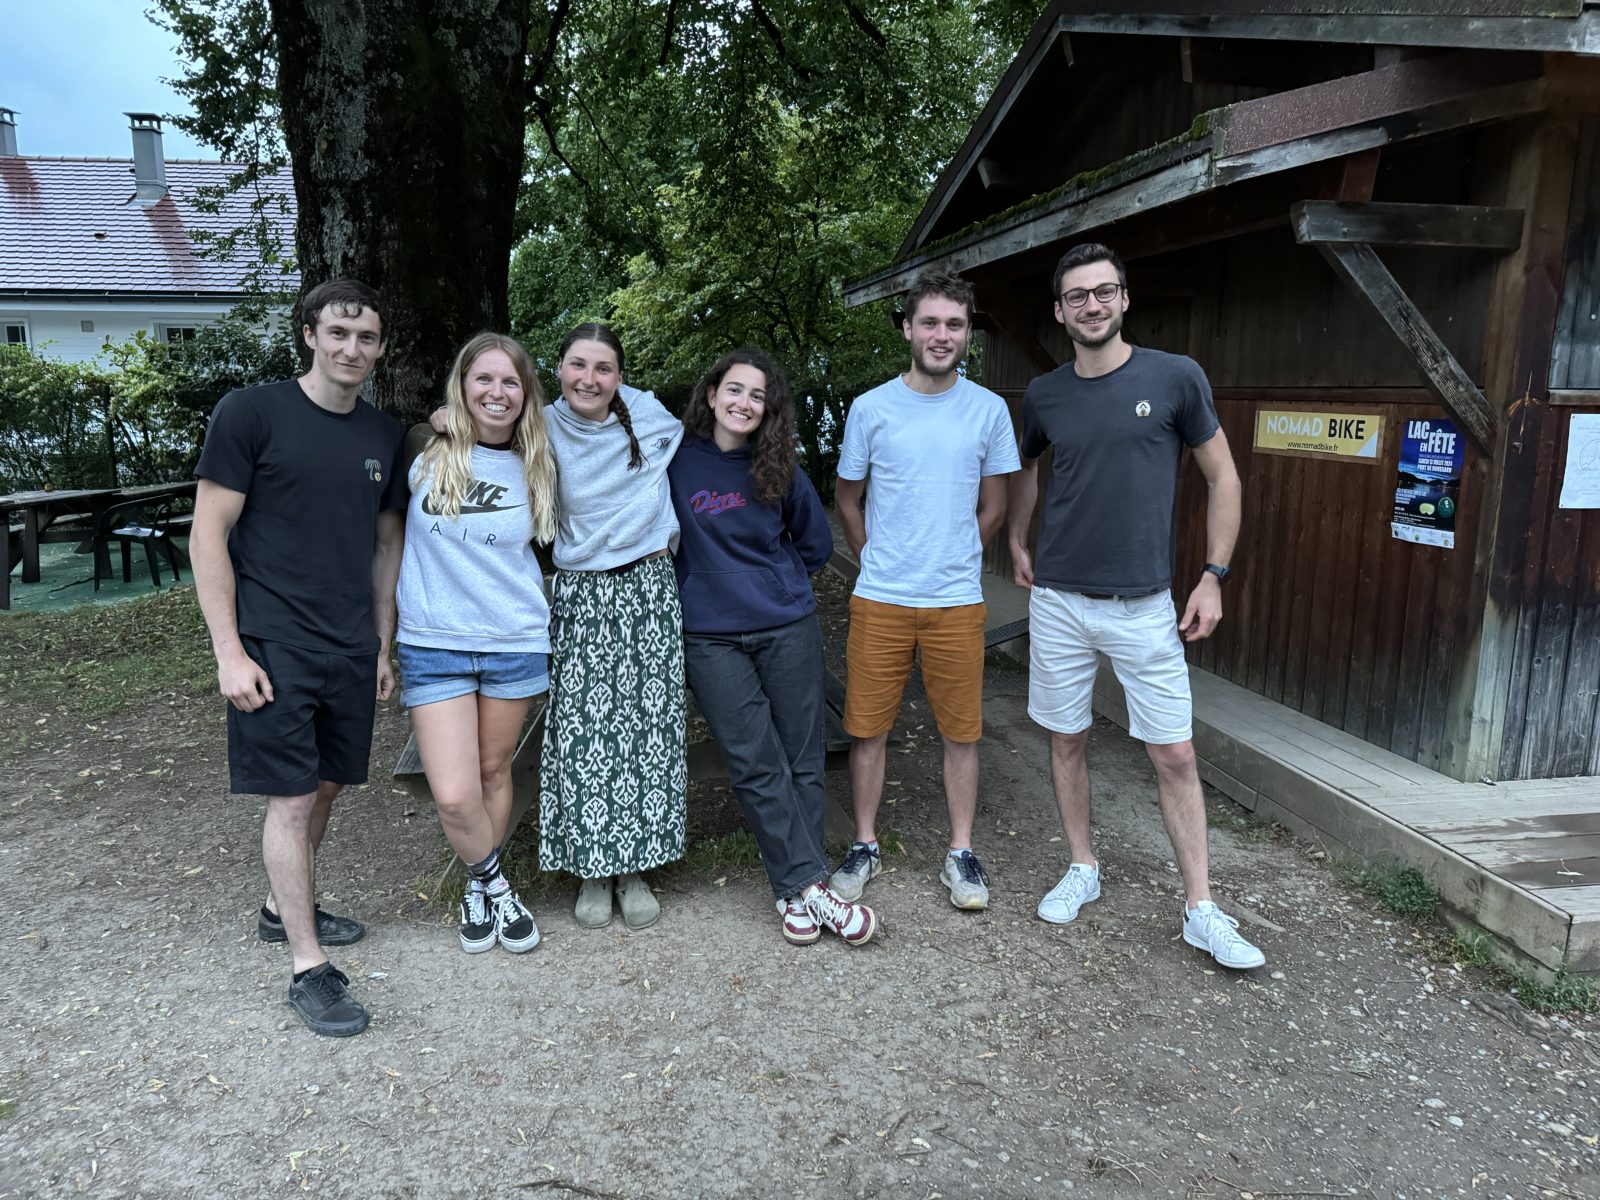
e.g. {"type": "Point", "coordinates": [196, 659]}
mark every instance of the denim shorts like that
{"type": "Point", "coordinates": [428, 676]}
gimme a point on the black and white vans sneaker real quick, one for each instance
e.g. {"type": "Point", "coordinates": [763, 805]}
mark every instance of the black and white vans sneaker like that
{"type": "Point", "coordinates": [477, 923]}
{"type": "Point", "coordinates": [513, 923]}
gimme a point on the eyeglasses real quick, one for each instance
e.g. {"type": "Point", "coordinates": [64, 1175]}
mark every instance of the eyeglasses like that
{"type": "Point", "coordinates": [1078, 297]}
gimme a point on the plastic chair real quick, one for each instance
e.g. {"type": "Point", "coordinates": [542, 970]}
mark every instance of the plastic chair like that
{"type": "Point", "coordinates": [148, 523]}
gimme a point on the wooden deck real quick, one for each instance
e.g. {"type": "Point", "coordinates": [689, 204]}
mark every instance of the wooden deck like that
{"type": "Point", "coordinates": [1518, 859]}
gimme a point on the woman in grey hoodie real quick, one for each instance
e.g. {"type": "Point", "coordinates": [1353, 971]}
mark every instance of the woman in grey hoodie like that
{"type": "Point", "coordinates": [614, 778]}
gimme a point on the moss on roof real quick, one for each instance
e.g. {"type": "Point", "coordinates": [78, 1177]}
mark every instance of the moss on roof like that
{"type": "Point", "coordinates": [1192, 142]}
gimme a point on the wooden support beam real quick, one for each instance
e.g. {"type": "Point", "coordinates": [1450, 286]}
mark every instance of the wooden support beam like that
{"type": "Point", "coordinates": [1467, 226]}
{"type": "Point", "coordinates": [1359, 266]}
{"type": "Point", "coordinates": [1358, 176]}
{"type": "Point", "coordinates": [1015, 322]}
{"type": "Point", "coordinates": [993, 174]}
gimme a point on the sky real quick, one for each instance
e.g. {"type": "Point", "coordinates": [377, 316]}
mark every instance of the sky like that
{"type": "Point", "coordinates": [71, 68]}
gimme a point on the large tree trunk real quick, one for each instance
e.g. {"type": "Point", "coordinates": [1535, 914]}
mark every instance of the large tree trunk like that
{"type": "Point", "coordinates": [404, 123]}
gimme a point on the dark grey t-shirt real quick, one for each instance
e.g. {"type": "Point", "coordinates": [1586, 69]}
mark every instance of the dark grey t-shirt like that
{"type": "Point", "coordinates": [1108, 524]}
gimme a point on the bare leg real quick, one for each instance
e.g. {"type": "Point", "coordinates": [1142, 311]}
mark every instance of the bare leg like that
{"type": "Point", "coordinates": [316, 827]}
{"type": "Point", "coordinates": [1069, 775]}
{"type": "Point", "coordinates": [499, 727]}
{"type": "Point", "coordinates": [447, 738]}
{"type": "Point", "coordinates": [1183, 808]}
{"type": "Point", "coordinates": [961, 789]}
{"type": "Point", "coordinates": [286, 851]}
{"type": "Point", "coordinates": [866, 783]}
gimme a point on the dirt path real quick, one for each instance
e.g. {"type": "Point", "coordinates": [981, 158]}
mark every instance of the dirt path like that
{"type": "Point", "coordinates": [147, 1050]}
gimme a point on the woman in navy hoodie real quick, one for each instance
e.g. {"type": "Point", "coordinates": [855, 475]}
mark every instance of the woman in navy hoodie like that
{"type": "Point", "coordinates": [752, 533]}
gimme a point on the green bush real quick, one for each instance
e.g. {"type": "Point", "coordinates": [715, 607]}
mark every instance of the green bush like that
{"type": "Point", "coordinates": [135, 415]}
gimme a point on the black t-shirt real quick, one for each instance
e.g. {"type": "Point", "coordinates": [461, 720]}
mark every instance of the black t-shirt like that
{"type": "Point", "coordinates": [1108, 523]}
{"type": "Point", "coordinates": [314, 483]}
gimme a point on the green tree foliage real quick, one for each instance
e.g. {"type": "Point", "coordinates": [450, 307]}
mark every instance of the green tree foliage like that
{"type": "Point", "coordinates": [137, 415]}
{"type": "Point", "coordinates": [705, 172]}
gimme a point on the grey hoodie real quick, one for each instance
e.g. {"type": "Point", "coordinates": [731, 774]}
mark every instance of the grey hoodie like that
{"type": "Point", "coordinates": [610, 515]}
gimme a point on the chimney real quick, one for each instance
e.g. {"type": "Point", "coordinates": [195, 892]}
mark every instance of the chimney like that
{"type": "Point", "coordinates": [8, 133]}
{"type": "Point", "coordinates": [149, 163]}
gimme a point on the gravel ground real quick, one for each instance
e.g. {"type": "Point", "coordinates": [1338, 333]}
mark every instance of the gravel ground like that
{"type": "Point", "coordinates": [147, 1049]}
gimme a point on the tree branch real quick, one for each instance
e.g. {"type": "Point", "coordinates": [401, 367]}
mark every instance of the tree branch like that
{"type": "Point", "coordinates": [864, 23]}
{"type": "Point", "coordinates": [666, 38]}
{"type": "Point", "coordinates": [775, 36]}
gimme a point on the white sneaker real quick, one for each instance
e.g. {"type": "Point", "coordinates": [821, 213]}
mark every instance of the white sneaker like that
{"type": "Point", "coordinates": [1210, 929]}
{"type": "Point", "coordinates": [799, 925]}
{"type": "Point", "coordinates": [1078, 886]}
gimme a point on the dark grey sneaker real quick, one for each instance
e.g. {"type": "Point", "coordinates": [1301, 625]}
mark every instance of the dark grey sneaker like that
{"type": "Point", "coordinates": [331, 930]}
{"type": "Point", "coordinates": [861, 863]}
{"type": "Point", "coordinates": [320, 998]}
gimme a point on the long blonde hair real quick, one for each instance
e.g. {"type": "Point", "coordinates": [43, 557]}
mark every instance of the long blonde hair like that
{"type": "Point", "coordinates": [448, 458]}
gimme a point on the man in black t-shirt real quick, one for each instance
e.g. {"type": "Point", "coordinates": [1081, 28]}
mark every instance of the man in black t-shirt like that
{"type": "Point", "coordinates": [1118, 418]}
{"type": "Point", "coordinates": [296, 546]}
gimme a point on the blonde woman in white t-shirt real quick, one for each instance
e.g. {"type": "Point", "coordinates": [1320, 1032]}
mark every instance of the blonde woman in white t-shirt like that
{"type": "Point", "coordinates": [474, 636]}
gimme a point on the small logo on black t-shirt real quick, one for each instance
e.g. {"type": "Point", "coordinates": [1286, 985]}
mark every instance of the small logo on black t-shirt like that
{"type": "Point", "coordinates": [1142, 409]}
{"type": "Point", "coordinates": [374, 470]}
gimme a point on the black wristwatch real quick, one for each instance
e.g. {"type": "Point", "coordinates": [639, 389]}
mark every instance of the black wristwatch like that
{"type": "Point", "coordinates": [1221, 573]}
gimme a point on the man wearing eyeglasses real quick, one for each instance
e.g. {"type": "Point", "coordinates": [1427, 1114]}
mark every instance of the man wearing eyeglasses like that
{"type": "Point", "coordinates": [1118, 418]}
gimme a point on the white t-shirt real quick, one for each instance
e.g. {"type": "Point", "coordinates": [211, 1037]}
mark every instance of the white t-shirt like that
{"type": "Point", "coordinates": [923, 458]}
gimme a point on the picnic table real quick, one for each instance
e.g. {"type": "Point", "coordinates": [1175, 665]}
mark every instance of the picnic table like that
{"type": "Point", "coordinates": [39, 510]}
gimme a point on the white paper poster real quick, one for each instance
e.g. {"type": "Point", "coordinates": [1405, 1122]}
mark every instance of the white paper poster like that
{"type": "Point", "coordinates": [1580, 486]}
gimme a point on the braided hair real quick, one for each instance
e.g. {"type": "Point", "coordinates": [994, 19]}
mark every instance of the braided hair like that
{"type": "Point", "coordinates": [593, 331]}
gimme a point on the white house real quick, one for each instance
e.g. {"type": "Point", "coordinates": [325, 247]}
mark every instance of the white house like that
{"type": "Point", "coordinates": [92, 250]}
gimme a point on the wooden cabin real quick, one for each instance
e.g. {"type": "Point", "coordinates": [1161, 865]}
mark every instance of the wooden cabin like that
{"type": "Point", "coordinates": [1356, 218]}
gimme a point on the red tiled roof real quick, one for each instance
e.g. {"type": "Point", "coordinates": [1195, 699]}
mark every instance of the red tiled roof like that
{"type": "Point", "coordinates": [74, 225]}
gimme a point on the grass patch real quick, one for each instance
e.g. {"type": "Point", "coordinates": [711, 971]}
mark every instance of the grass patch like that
{"type": "Point", "coordinates": [1563, 994]}
{"type": "Point", "coordinates": [97, 661]}
{"type": "Point", "coordinates": [736, 849]}
{"type": "Point", "coordinates": [1402, 890]}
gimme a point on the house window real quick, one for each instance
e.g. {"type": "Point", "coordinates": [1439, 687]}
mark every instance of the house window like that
{"type": "Point", "coordinates": [1575, 355]}
{"type": "Point", "coordinates": [176, 333]}
{"type": "Point", "coordinates": [16, 333]}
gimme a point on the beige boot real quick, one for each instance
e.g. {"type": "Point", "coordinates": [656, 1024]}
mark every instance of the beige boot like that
{"type": "Point", "coordinates": [593, 910]}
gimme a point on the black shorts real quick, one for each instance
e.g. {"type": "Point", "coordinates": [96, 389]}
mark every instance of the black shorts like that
{"type": "Point", "coordinates": [318, 726]}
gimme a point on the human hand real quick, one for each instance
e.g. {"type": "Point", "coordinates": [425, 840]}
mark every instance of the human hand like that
{"type": "Point", "coordinates": [1204, 610]}
{"type": "Point", "coordinates": [439, 419]}
{"type": "Point", "coordinates": [385, 675]}
{"type": "Point", "coordinates": [1021, 566]}
{"type": "Point", "coordinates": [243, 681]}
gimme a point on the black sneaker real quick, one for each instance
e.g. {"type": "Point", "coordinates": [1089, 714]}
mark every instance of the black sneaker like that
{"type": "Point", "coordinates": [513, 923]}
{"type": "Point", "coordinates": [331, 930]}
{"type": "Point", "coordinates": [320, 998]}
{"type": "Point", "coordinates": [477, 923]}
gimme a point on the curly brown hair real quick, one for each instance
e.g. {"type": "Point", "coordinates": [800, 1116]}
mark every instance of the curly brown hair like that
{"type": "Point", "coordinates": [772, 460]}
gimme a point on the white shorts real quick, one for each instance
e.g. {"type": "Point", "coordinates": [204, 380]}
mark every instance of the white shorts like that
{"type": "Point", "coordinates": [1068, 633]}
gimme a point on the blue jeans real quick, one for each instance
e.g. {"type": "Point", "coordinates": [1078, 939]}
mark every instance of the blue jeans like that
{"type": "Point", "coordinates": [761, 696]}
{"type": "Point", "coordinates": [429, 674]}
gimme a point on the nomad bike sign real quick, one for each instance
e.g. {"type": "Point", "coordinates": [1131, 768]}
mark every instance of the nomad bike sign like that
{"type": "Point", "coordinates": [1318, 433]}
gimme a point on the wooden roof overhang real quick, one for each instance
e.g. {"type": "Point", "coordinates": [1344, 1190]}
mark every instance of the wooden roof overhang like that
{"type": "Point", "coordinates": [1249, 165]}
{"type": "Point", "coordinates": [1570, 26]}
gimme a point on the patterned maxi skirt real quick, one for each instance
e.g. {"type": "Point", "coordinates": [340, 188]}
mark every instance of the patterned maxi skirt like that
{"type": "Point", "coordinates": [614, 779]}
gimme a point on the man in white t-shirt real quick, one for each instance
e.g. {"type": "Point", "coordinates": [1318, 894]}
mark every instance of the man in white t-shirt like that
{"type": "Point", "coordinates": [936, 448]}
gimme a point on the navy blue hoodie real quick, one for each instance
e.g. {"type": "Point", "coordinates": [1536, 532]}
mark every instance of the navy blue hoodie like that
{"type": "Point", "coordinates": [743, 565]}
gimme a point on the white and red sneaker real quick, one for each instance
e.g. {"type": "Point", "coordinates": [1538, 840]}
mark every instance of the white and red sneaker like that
{"type": "Point", "coordinates": [799, 926]}
{"type": "Point", "coordinates": [855, 923]}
